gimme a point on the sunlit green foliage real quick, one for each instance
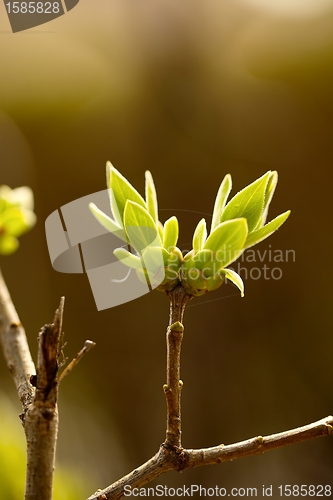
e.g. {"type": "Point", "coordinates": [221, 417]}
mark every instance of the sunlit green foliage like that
{"type": "Point", "coordinates": [235, 226]}
{"type": "Point", "coordinates": [16, 216]}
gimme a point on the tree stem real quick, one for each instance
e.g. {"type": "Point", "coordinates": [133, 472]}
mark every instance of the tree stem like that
{"type": "Point", "coordinates": [182, 459]}
{"type": "Point", "coordinates": [41, 418]}
{"type": "Point", "coordinates": [171, 455]}
{"type": "Point", "coordinates": [172, 388]}
{"type": "Point", "coordinates": [37, 391]}
{"type": "Point", "coordinates": [15, 347]}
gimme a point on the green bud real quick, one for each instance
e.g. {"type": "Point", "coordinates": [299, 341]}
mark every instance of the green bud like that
{"type": "Point", "coordinates": [171, 270]}
{"type": "Point", "coordinates": [235, 226]}
{"type": "Point", "coordinates": [214, 282]}
{"type": "Point", "coordinates": [192, 278]}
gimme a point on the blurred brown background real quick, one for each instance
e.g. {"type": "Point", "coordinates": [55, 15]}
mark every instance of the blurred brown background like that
{"type": "Point", "coordinates": [190, 91]}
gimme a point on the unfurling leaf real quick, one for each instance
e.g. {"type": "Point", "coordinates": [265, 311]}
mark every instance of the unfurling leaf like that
{"type": "Point", "coordinates": [160, 229]}
{"type": "Point", "coordinates": [265, 231]}
{"type": "Point", "coordinates": [235, 279]}
{"type": "Point", "coordinates": [248, 203]}
{"type": "Point", "coordinates": [127, 258]}
{"type": "Point", "coordinates": [140, 228]}
{"type": "Point", "coordinates": [200, 235]}
{"type": "Point", "coordinates": [107, 222]}
{"type": "Point", "coordinates": [170, 233]}
{"type": "Point", "coordinates": [236, 225]}
{"type": "Point", "coordinates": [155, 257]}
{"type": "Point", "coordinates": [221, 200]}
{"type": "Point", "coordinates": [151, 197]}
{"type": "Point", "coordinates": [121, 191]}
{"type": "Point", "coordinates": [228, 240]}
{"type": "Point", "coordinates": [270, 189]}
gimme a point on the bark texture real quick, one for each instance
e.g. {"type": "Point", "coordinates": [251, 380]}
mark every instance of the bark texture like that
{"type": "Point", "coordinates": [37, 390]}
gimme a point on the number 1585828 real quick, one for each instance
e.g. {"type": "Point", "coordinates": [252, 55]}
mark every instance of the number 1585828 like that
{"type": "Point", "coordinates": [33, 7]}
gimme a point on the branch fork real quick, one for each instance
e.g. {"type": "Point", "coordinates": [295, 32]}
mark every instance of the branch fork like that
{"type": "Point", "coordinates": [37, 390]}
{"type": "Point", "coordinates": [171, 455]}
{"type": "Point", "coordinates": [38, 393]}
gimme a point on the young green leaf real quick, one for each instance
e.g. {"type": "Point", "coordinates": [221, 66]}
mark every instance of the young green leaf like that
{"type": "Point", "coordinates": [121, 191]}
{"type": "Point", "coordinates": [140, 227]}
{"type": "Point", "coordinates": [227, 240]}
{"type": "Point", "coordinates": [248, 203]}
{"type": "Point", "coordinates": [175, 258]}
{"type": "Point", "coordinates": [221, 200]}
{"type": "Point", "coordinates": [151, 197]}
{"type": "Point", "coordinates": [128, 258]}
{"type": "Point", "coordinates": [199, 236]}
{"type": "Point", "coordinates": [170, 233]}
{"type": "Point", "coordinates": [155, 259]}
{"type": "Point", "coordinates": [235, 279]}
{"type": "Point", "coordinates": [265, 231]}
{"type": "Point", "coordinates": [208, 262]}
{"type": "Point", "coordinates": [160, 229]}
{"type": "Point", "coordinates": [270, 189]}
{"type": "Point", "coordinates": [107, 222]}
{"type": "Point", "coordinates": [172, 266]}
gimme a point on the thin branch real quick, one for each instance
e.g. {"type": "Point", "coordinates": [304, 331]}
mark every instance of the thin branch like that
{"type": "Point", "coordinates": [182, 459]}
{"type": "Point", "coordinates": [142, 475]}
{"type": "Point", "coordinates": [178, 300]}
{"type": "Point", "coordinates": [172, 388]}
{"type": "Point", "coordinates": [48, 357]}
{"type": "Point", "coordinates": [171, 455]}
{"type": "Point", "coordinates": [87, 346]}
{"type": "Point", "coordinates": [37, 391]}
{"type": "Point", "coordinates": [259, 444]}
{"type": "Point", "coordinates": [15, 347]}
{"type": "Point", "coordinates": [41, 417]}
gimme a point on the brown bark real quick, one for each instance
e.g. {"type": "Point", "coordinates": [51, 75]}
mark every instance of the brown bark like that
{"type": "Point", "coordinates": [171, 455]}
{"type": "Point", "coordinates": [37, 390]}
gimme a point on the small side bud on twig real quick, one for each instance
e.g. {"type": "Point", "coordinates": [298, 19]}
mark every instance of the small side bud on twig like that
{"type": "Point", "coordinates": [177, 327]}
